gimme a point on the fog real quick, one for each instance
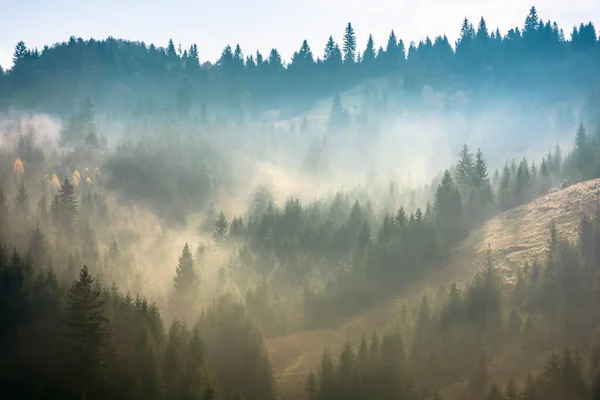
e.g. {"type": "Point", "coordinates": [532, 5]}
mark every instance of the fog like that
{"type": "Point", "coordinates": [408, 150]}
{"type": "Point", "coordinates": [186, 230]}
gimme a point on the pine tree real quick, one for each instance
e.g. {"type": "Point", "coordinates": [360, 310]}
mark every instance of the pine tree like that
{"type": "Point", "coordinates": [391, 51]}
{"type": "Point", "coordinates": [221, 229]}
{"type": "Point", "coordinates": [464, 44]}
{"type": "Point", "coordinates": [238, 56]}
{"type": "Point", "coordinates": [531, 22]}
{"type": "Point", "coordinates": [195, 380]}
{"type": "Point", "coordinates": [275, 63]}
{"type": "Point", "coordinates": [22, 201]}
{"type": "Point", "coordinates": [37, 247]}
{"type": "Point", "coordinates": [448, 209]}
{"type": "Point", "coordinates": [482, 36]}
{"type": "Point", "coordinates": [327, 381]}
{"type": "Point", "coordinates": [20, 54]}
{"type": "Point", "coordinates": [237, 227]}
{"type": "Point", "coordinates": [369, 53]}
{"type": "Point", "coordinates": [4, 223]}
{"type": "Point", "coordinates": [311, 386]}
{"type": "Point", "coordinates": [338, 118]}
{"type": "Point", "coordinates": [465, 169]}
{"type": "Point", "coordinates": [583, 154]}
{"type": "Point", "coordinates": [64, 208]}
{"type": "Point", "coordinates": [349, 45]}
{"type": "Point", "coordinates": [303, 59]}
{"type": "Point", "coordinates": [481, 174]}
{"type": "Point", "coordinates": [193, 60]}
{"type": "Point", "coordinates": [185, 279]}
{"type": "Point", "coordinates": [226, 59]}
{"type": "Point", "coordinates": [85, 336]}
{"type": "Point", "coordinates": [362, 241]}
{"type": "Point", "coordinates": [346, 378]}
{"type": "Point", "coordinates": [171, 51]}
{"type": "Point", "coordinates": [333, 56]}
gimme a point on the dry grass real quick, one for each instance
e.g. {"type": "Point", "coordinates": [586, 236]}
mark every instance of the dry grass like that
{"type": "Point", "coordinates": [515, 236]}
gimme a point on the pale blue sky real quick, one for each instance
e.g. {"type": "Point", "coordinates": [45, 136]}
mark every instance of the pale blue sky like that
{"type": "Point", "coordinates": [264, 24]}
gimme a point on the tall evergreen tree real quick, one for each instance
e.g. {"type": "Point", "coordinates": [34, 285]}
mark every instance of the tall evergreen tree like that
{"type": "Point", "coordinates": [349, 45]}
{"type": "Point", "coordinates": [369, 54]}
{"type": "Point", "coordinates": [186, 279]}
{"type": "Point", "coordinates": [221, 229]}
{"type": "Point", "coordinates": [20, 54]}
{"type": "Point", "coordinates": [22, 201]}
{"type": "Point", "coordinates": [583, 154]}
{"type": "Point", "coordinates": [465, 169]}
{"type": "Point", "coordinates": [4, 223]}
{"type": "Point", "coordinates": [171, 51]}
{"type": "Point", "coordinates": [275, 63]}
{"type": "Point", "coordinates": [338, 118]}
{"type": "Point", "coordinates": [85, 337]}
{"type": "Point", "coordinates": [448, 209]}
{"type": "Point", "coordinates": [392, 52]}
{"type": "Point", "coordinates": [482, 179]}
{"type": "Point", "coordinates": [193, 59]}
{"type": "Point", "coordinates": [64, 208]}
{"type": "Point", "coordinates": [37, 247]}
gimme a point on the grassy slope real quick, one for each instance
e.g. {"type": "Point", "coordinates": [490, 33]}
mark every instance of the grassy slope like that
{"type": "Point", "coordinates": [515, 236]}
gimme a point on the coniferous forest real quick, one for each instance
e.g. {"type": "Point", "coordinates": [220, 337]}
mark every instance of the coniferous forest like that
{"type": "Point", "coordinates": [162, 217]}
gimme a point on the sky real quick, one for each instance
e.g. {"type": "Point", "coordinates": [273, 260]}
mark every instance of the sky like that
{"type": "Point", "coordinates": [265, 24]}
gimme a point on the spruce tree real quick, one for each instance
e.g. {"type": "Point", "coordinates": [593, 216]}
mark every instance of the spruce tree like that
{"type": "Point", "coordinates": [20, 54]}
{"type": "Point", "coordinates": [4, 223]}
{"type": "Point", "coordinates": [338, 118]}
{"type": "Point", "coordinates": [327, 381]}
{"type": "Point", "coordinates": [448, 209]}
{"type": "Point", "coordinates": [464, 43]}
{"type": "Point", "coordinates": [37, 247]}
{"type": "Point", "coordinates": [185, 279]}
{"type": "Point", "coordinates": [583, 154]}
{"type": "Point", "coordinates": [64, 209]}
{"type": "Point", "coordinates": [195, 381]}
{"type": "Point", "coordinates": [369, 53]}
{"type": "Point", "coordinates": [391, 51]}
{"type": "Point", "coordinates": [332, 54]}
{"type": "Point", "coordinates": [238, 56]}
{"type": "Point", "coordinates": [193, 60]}
{"type": "Point", "coordinates": [275, 63]}
{"type": "Point", "coordinates": [362, 241]}
{"type": "Point", "coordinates": [85, 334]}
{"type": "Point", "coordinates": [237, 227]}
{"type": "Point", "coordinates": [311, 386]}
{"type": "Point", "coordinates": [171, 51]}
{"type": "Point", "coordinates": [221, 229]}
{"type": "Point", "coordinates": [465, 169]}
{"type": "Point", "coordinates": [22, 201]}
{"type": "Point", "coordinates": [481, 174]}
{"type": "Point", "coordinates": [349, 45]}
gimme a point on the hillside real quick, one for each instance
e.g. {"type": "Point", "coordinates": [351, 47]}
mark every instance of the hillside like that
{"type": "Point", "coordinates": [515, 236]}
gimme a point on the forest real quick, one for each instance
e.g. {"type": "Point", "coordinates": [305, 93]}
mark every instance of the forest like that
{"type": "Point", "coordinates": [124, 77]}
{"type": "Point", "coordinates": [160, 222]}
